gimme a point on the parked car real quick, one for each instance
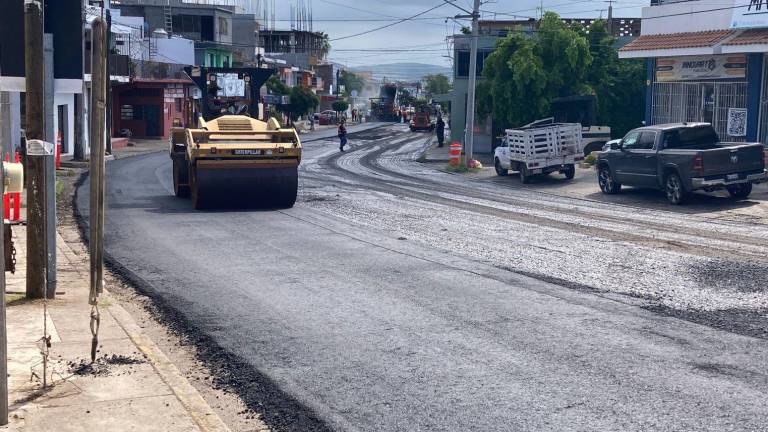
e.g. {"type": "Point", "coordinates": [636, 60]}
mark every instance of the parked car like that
{"type": "Point", "coordinates": [540, 149]}
{"type": "Point", "coordinates": [328, 118]}
{"type": "Point", "coordinates": [679, 159]}
{"type": "Point", "coordinates": [422, 122]}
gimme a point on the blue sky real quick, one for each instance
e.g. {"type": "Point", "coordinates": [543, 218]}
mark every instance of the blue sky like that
{"type": "Point", "coordinates": [425, 37]}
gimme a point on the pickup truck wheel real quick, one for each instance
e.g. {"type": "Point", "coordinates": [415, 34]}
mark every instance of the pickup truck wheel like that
{"type": "Point", "coordinates": [740, 191]}
{"type": "Point", "coordinates": [570, 172]}
{"type": "Point", "coordinates": [524, 176]}
{"type": "Point", "coordinates": [500, 171]}
{"type": "Point", "coordinates": [673, 186]}
{"type": "Point", "coordinates": [608, 184]}
{"type": "Point", "coordinates": [180, 179]}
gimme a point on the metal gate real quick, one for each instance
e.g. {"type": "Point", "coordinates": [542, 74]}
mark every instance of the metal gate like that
{"type": "Point", "coordinates": [764, 104]}
{"type": "Point", "coordinates": [698, 102]}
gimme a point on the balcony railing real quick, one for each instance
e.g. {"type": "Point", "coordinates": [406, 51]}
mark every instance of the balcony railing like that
{"type": "Point", "coordinates": [119, 65]}
{"type": "Point", "coordinates": [155, 70]}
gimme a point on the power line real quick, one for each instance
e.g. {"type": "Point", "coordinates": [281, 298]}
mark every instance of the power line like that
{"type": "Point", "coordinates": [389, 25]}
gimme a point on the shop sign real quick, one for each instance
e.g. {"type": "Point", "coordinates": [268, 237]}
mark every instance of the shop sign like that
{"type": "Point", "coordinates": [694, 68]}
{"type": "Point", "coordinates": [749, 13]}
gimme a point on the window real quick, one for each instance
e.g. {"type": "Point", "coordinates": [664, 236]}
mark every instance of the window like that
{"type": "Point", "coordinates": [185, 24]}
{"type": "Point", "coordinates": [126, 112]}
{"type": "Point", "coordinates": [178, 105]}
{"type": "Point", "coordinates": [462, 63]}
{"type": "Point", "coordinates": [631, 141]}
{"type": "Point", "coordinates": [690, 137]}
{"type": "Point", "coordinates": [647, 141]}
{"type": "Point", "coordinates": [131, 112]}
{"type": "Point", "coordinates": [223, 26]}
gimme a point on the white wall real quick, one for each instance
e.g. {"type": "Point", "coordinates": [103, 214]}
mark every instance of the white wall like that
{"type": "Point", "coordinates": [656, 19]}
{"type": "Point", "coordinates": [68, 100]}
{"type": "Point", "coordinates": [175, 50]}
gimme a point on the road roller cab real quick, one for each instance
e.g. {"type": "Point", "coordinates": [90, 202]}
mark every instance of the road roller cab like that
{"type": "Point", "coordinates": [230, 158]}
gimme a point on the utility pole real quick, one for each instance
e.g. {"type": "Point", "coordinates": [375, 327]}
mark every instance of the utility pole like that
{"type": "Point", "coordinates": [469, 131]}
{"type": "Point", "coordinates": [5, 138]}
{"type": "Point", "coordinates": [610, 17]}
{"type": "Point", "coordinates": [97, 119]}
{"type": "Point", "coordinates": [50, 171]}
{"type": "Point", "coordinates": [108, 67]}
{"type": "Point", "coordinates": [37, 254]}
{"type": "Point", "coordinates": [80, 111]}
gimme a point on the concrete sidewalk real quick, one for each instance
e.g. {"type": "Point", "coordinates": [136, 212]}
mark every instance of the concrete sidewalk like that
{"type": "Point", "coordinates": [132, 386]}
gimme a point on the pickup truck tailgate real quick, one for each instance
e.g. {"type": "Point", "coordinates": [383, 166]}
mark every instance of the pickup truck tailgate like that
{"type": "Point", "coordinates": [733, 159]}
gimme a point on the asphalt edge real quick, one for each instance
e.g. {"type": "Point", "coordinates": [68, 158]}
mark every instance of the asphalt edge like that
{"type": "Point", "coordinates": [199, 410]}
{"type": "Point", "coordinates": [172, 318]}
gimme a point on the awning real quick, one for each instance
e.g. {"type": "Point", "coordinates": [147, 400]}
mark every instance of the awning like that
{"type": "Point", "coordinates": [676, 44]}
{"type": "Point", "coordinates": [748, 41]}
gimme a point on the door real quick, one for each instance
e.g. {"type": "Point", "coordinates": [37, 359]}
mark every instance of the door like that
{"type": "Point", "coordinates": [502, 152]}
{"type": "Point", "coordinates": [63, 129]}
{"type": "Point", "coordinates": [644, 160]}
{"type": "Point", "coordinates": [621, 160]}
{"type": "Point", "coordinates": [637, 163]}
{"type": "Point", "coordinates": [152, 120]}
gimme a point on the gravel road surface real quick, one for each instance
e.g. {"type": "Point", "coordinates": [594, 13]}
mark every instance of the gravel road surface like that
{"type": "Point", "coordinates": [394, 296]}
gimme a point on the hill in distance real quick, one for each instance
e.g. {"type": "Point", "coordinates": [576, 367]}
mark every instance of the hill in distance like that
{"type": "Point", "coordinates": [409, 72]}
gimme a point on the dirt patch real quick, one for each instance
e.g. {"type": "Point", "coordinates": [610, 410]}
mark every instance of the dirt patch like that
{"type": "Point", "coordinates": [104, 366]}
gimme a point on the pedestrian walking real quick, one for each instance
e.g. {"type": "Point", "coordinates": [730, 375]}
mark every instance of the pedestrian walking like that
{"type": "Point", "coordinates": [342, 135]}
{"type": "Point", "coordinates": [312, 122]}
{"type": "Point", "coordinates": [440, 129]}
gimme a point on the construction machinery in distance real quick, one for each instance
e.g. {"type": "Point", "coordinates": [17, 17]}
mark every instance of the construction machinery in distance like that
{"type": "Point", "coordinates": [231, 157]}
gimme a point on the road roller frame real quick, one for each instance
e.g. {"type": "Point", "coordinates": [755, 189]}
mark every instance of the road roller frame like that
{"type": "Point", "coordinates": [234, 160]}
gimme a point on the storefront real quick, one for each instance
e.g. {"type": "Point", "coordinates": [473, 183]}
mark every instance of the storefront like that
{"type": "Point", "coordinates": [149, 108]}
{"type": "Point", "coordinates": [709, 89]}
{"type": "Point", "coordinates": [715, 74]}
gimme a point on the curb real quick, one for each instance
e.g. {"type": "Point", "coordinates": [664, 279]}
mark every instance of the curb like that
{"type": "Point", "coordinates": [199, 410]}
{"type": "Point", "coordinates": [202, 413]}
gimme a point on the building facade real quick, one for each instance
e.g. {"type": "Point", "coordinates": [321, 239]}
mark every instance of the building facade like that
{"type": "Point", "coordinates": [706, 63]}
{"type": "Point", "coordinates": [213, 26]}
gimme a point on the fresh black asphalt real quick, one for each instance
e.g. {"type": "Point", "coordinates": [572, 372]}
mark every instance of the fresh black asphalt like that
{"type": "Point", "coordinates": [331, 325]}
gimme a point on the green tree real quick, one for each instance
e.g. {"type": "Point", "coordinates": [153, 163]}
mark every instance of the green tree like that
{"type": "Point", "coordinates": [340, 105]}
{"type": "Point", "coordinates": [524, 74]}
{"type": "Point", "coordinates": [325, 45]}
{"type": "Point", "coordinates": [437, 84]}
{"type": "Point", "coordinates": [619, 84]}
{"type": "Point", "coordinates": [351, 82]}
{"type": "Point", "coordinates": [303, 99]}
{"type": "Point", "coordinates": [277, 87]}
{"type": "Point", "coordinates": [405, 98]}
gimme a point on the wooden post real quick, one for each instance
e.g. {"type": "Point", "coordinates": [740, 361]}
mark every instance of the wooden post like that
{"type": "Point", "coordinates": [37, 254]}
{"type": "Point", "coordinates": [99, 81]}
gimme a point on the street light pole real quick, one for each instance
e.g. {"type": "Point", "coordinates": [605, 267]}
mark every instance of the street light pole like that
{"type": "Point", "coordinates": [469, 131]}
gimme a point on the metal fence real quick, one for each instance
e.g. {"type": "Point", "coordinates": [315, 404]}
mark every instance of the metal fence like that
{"type": "Point", "coordinates": [764, 105]}
{"type": "Point", "coordinates": [698, 102]}
{"type": "Point", "coordinates": [157, 70]}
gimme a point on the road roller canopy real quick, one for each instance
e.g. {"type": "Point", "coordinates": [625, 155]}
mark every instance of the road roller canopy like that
{"type": "Point", "coordinates": [228, 91]}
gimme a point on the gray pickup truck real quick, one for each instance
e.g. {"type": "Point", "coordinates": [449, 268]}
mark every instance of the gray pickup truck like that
{"type": "Point", "coordinates": [679, 159]}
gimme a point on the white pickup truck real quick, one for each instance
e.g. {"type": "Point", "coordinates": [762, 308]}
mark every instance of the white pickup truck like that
{"type": "Point", "coordinates": [540, 149]}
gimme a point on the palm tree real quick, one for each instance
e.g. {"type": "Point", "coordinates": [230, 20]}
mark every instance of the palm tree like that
{"type": "Point", "coordinates": [325, 45]}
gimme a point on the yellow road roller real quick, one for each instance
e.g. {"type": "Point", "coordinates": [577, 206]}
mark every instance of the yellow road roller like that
{"type": "Point", "coordinates": [232, 158]}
